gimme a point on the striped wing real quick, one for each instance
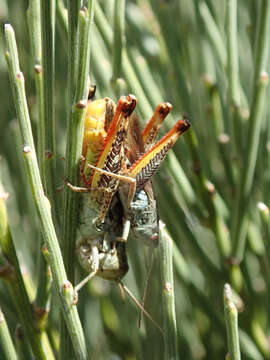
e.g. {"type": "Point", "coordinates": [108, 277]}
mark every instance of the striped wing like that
{"type": "Point", "coordinates": [145, 167]}
{"type": "Point", "coordinates": [111, 156]}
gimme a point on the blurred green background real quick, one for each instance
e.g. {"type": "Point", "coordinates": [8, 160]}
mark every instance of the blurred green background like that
{"type": "Point", "coordinates": [193, 55]}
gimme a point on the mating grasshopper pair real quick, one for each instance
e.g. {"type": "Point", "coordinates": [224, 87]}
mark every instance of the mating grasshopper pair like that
{"type": "Point", "coordinates": [118, 161]}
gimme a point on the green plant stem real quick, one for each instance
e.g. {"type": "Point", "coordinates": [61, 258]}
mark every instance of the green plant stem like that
{"type": "Point", "coordinates": [225, 152]}
{"type": "Point", "coordinates": [182, 270]}
{"type": "Point", "coordinates": [232, 50]}
{"type": "Point", "coordinates": [34, 28]}
{"type": "Point", "coordinates": [224, 143]}
{"type": "Point", "coordinates": [240, 217]}
{"type": "Point", "coordinates": [34, 24]}
{"type": "Point", "coordinates": [5, 339]}
{"type": "Point", "coordinates": [142, 70]}
{"type": "Point", "coordinates": [73, 7]}
{"type": "Point", "coordinates": [62, 16]}
{"type": "Point", "coordinates": [43, 294]}
{"type": "Point", "coordinates": [259, 336]}
{"type": "Point", "coordinates": [14, 279]}
{"type": "Point", "coordinates": [128, 71]}
{"type": "Point", "coordinates": [118, 37]}
{"type": "Point", "coordinates": [177, 220]}
{"type": "Point", "coordinates": [48, 153]}
{"type": "Point", "coordinates": [213, 33]}
{"type": "Point", "coordinates": [231, 317]}
{"type": "Point", "coordinates": [168, 301]}
{"type": "Point", "coordinates": [74, 150]}
{"type": "Point", "coordinates": [63, 287]}
{"type": "Point", "coordinates": [172, 41]}
{"type": "Point", "coordinates": [182, 182]}
{"type": "Point", "coordinates": [208, 194]}
{"type": "Point", "coordinates": [239, 225]}
{"type": "Point", "coordinates": [22, 346]}
{"type": "Point", "coordinates": [233, 73]}
{"type": "Point", "coordinates": [265, 218]}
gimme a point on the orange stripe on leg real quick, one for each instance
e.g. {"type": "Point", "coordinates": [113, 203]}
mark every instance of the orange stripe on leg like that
{"type": "Point", "coordinates": [151, 129]}
{"type": "Point", "coordinates": [123, 110]}
{"type": "Point", "coordinates": [157, 153]}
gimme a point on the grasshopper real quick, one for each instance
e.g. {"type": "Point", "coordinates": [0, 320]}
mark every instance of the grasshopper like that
{"type": "Point", "coordinates": [99, 248]}
{"type": "Point", "coordinates": [143, 158]}
{"type": "Point", "coordinates": [118, 156]}
{"type": "Point", "coordinates": [118, 161]}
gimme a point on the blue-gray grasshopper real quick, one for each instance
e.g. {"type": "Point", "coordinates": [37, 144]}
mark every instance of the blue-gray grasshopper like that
{"type": "Point", "coordinates": [142, 159]}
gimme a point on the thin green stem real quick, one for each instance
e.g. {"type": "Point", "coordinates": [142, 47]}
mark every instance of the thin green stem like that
{"type": "Point", "coordinates": [73, 7]}
{"type": "Point", "coordinates": [177, 220]}
{"type": "Point", "coordinates": [183, 271]}
{"type": "Point", "coordinates": [183, 183]}
{"type": "Point", "coordinates": [62, 17]}
{"type": "Point", "coordinates": [224, 143]}
{"type": "Point", "coordinates": [20, 104]}
{"type": "Point", "coordinates": [233, 73]}
{"type": "Point", "coordinates": [74, 150]}
{"type": "Point", "coordinates": [14, 279]}
{"type": "Point", "coordinates": [43, 294]}
{"type": "Point", "coordinates": [47, 132]}
{"type": "Point", "coordinates": [231, 317]}
{"type": "Point", "coordinates": [239, 226]}
{"type": "Point", "coordinates": [265, 218]}
{"type": "Point", "coordinates": [34, 24]}
{"type": "Point", "coordinates": [42, 203]}
{"type": "Point", "coordinates": [172, 41]}
{"type": "Point", "coordinates": [22, 346]}
{"type": "Point", "coordinates": [168, 300]}
{"type": "Point", "coordinates": [208, 194]}
{"type": "Point", "coordinates": [232, 50]}
{"type": "Point", "coordinates": [213, 33]}
{"type": "Point", "coordinates": [118, 37]}
{"type": "Point", "coordinates": [226, 156]}
{"type": "Point", "coordinates": [5, 339]}
{"type": "Point", "coordinates": [34, 28]}
{"type": "Point", "coordinates": [143, 72]}
{"type": "Point", "coordinates": [128, 71]}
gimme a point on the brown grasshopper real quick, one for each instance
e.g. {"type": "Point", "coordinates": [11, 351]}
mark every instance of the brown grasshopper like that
{"type": "Point", "coordinates": [118, 156]}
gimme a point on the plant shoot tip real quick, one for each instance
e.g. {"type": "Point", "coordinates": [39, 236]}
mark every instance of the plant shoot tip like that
{"type": "Point", "coordinates": [67, 285]}
{"type": "Point", "coordinates": [38, 69]}
{"type": "Point", "coordinates": [26, 149]}
{"type": "Point", "coordinates": [168, 288]}
{"type": "Point", "coordinates": [264, 77]}
{"type": "Point", "coordinates": [81, 104]}
{"type": "Point", "coordinates": [19, 75]}
{"type": "Point", "coordinates": [262, 207]}
{"type": "Point", "coordinates": [4, 196]}
{"type": "Point", "coordinates": [8, 27]}
{"type": "Point", "coordinates": [224, 138]}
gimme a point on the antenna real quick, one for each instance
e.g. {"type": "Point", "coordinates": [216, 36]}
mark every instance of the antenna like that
{"type": "Point", "coordinates": [121, 285]}
{"type": "Point", "coordinates": [146, 286]}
